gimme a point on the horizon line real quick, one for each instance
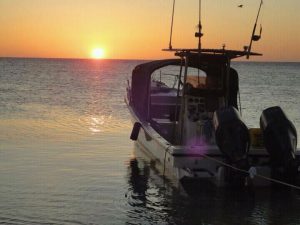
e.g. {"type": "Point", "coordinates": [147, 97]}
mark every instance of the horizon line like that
{"type": "Point", "coordinates": [151, 59]}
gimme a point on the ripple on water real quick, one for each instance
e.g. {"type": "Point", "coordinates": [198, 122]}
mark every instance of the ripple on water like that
{"type": "Point", "coordinates": [64, 149]}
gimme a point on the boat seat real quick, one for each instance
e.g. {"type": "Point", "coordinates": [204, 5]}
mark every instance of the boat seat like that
{"type": "Point", "coordinates": [164, 127]}
{"type": "Point", "coordinates": [164, 106]}
{"type": "Point", "coordinates": [165, 112]}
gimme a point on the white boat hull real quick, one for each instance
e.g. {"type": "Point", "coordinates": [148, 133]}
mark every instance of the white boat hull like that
{"type": "Point", "coordinates": [198, 162]}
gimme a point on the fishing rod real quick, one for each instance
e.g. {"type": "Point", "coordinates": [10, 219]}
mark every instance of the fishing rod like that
{"type": "Point", "coordinates": [253, 36]}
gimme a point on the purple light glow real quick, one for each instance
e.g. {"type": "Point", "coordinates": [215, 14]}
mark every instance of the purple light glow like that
{"type": "Point", "coordinates": [196, 145]}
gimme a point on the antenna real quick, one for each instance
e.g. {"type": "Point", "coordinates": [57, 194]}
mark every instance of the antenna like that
{"type": "Point", "coordinates": [199, 34]}
{"type": "Point", "coordinates": [172, 22]}
{"type": "Point", "coordinates": [253, 36]}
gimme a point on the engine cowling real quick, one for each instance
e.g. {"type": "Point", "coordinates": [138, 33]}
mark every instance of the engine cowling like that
{"type": "Point", "coordinates": [280, 137]}
{"type": "Point", "coordinates": [232, 136]}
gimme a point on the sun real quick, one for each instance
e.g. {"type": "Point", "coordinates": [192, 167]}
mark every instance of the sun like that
{"type": "Point", "coordinates": [98, 53]}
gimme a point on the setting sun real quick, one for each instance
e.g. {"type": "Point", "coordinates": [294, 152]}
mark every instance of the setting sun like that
{"type": "Point", "coordinates": [98, 53]}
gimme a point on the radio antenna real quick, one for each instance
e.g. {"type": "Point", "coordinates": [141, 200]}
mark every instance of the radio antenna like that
{"type": "Point", "coordinates": [199, 34]}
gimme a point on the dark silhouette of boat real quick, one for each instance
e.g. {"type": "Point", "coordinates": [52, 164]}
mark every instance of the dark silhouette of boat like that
{"type": "Point", "coordinates": [186, 115]}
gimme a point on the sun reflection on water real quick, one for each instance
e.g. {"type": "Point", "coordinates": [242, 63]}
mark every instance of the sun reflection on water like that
{"type": "Point", "coordinates": [96, 123]}
{"type": "Point", "coordinates": [103, 123]}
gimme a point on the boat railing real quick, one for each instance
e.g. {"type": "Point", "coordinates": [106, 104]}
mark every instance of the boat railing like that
{"type": "Point", "coordinates": [172, 81]}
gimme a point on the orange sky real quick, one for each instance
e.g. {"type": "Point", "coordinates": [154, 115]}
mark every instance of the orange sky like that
{"type": "Point", "coordinates": [139, 29]}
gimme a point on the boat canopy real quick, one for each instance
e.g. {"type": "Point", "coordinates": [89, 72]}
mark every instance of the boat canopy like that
{"type": "Point", "coordinates": [211, 64]}
{"type": "Point", "coordinates": [141, 79]}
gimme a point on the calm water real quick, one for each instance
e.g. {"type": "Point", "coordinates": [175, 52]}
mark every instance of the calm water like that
{"type": "Point", "coordinates": [65, 155]}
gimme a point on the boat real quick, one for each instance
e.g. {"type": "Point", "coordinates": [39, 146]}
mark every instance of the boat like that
{"type": "Point", "coordinates": [187, 118]}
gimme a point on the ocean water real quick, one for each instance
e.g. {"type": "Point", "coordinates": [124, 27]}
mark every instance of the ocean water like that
{"type": "Point", "coordinates": [66, 157]}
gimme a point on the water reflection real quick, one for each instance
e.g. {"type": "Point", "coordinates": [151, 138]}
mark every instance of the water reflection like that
{"type": "Point", "coordinates": [152, 200]}
{"type": "Point", "coordinates": [138, 181]}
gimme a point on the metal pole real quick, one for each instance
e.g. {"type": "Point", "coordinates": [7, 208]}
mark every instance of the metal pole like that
{"type": "Point", "coordinates": [182, 109]}
{"type": "Point", "coordinates": [172, 21]}
{"type": "Point", "coordinates": [200, 26]}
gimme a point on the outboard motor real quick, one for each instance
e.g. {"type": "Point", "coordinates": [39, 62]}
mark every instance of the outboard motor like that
{"type": "Point", "coordinates": [232, 137]}
{"type": "Point", "coordinates": [280, 138]}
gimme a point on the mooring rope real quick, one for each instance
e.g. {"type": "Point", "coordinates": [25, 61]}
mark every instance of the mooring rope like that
{"type": "Point", "coordinates": [252, 173]}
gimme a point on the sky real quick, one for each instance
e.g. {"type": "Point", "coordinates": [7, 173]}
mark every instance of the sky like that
{"type": "Point", "coordinates": [139, 29]}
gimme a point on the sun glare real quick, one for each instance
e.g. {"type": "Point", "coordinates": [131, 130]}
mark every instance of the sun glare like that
{"type": "Point", "coordinates": [98, 53]}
